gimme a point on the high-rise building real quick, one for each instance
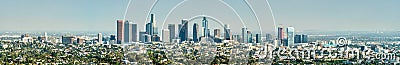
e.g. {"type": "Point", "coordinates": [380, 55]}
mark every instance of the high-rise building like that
{"type": "Point", "coordinates": [147, 38]}
{"type": "Point", "coordinates": [142, 36]}
{"type": "Point", "coordinates": [155, 31]}
{"type": "Point", "coordinates": [183, 33]}
{"type": "Point", "coordinates": [151, 25]}
{"type": "Point", "coordinates": [156, 38]}
{"type": "Point", "coordinates": [165, 35]}
{"type": "Point", "coordinates": [205, 27]}
{"type": "Point", "coordinates": [258, 38]}
{"type": "Point", "coordinates": [200, 32]}
{"type": "Point", "coordinates": [290, 36]}
{"type": "Point", "coordinates": [268, 37]}
{"type": "Point", "coordinates": [179, 27]}
{"type": "Point", "coordinates": [301, 38]}
{"type": "Point", "coordinates": [217, 33]}
{"type": "Point", "coordinates": [227, 33]}
{"type": "Point", "coordinates": [249, 37]}
{"type": "Point", "coordinates": [120, 31]}
{"type": "Point", "coordinates": [99, 38]}
{"type": "Point", "coordinates": [171, 28]}
{"type": "Point", "coordinates": [151, 28]}
{"type": "Point", "coordinates": [280, 34]}
{"type": "Point", "coordinates": [134, 32]}
{"type": "Point", "coordinates": [297, 38]}
{"type": "Point", "coordinates": [236, 37]}
{"type": "Point", "coordinates": [244, 38]}
{"type": "Point", "coordinates": [304, 38]}
{"type": "Point", "coordinates": [195, 32]}
{"type": "Point", "coordinates": [148, 28]}
{"type": "Point", "coordinates": [45, 37]}
{"type": "Point", "coordinates": [179, 32]}
{"type": "Point", "coordinates": [67, 39]}
{"type": "Point", "coordinates": [128, 32]}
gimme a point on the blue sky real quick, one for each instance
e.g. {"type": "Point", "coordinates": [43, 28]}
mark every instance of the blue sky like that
{"type": "Point", "coordinates": [100, 15]}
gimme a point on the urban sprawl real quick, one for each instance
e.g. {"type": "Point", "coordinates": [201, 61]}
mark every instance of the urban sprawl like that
{"type": "Point", "coordinates": [175, 46]}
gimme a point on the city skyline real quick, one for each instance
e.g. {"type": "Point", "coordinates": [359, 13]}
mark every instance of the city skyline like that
{"type": "Point", "coordinates": [339, 15]}
{"type": "Point", "coordinates": [204, 32]}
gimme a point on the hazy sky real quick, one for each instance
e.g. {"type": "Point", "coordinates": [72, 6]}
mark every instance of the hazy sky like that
{"type": "Point", "coordinates": [100, 15]}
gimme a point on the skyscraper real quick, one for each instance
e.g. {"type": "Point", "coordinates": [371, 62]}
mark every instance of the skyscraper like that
{"type": "Point", "coordinates": [304, 38]}
{"type": "Point", "coordinates": [301, 38]}
{"type": "Point", "coordinates": [152, 24]}
{"type": "Point", "coordinates": [297, 38]}
{"type": "Point", "coordinates": [171, 28]}
{"type": "Point", "coordinates": [258, 38]}
{"type": "Point", "coordinates": [183, 33]}
{"type": "Point", "coordinates": [134, 32]}
{"type": "Point", "coordinates": [227, 33]}
{"type": "Point", "coordinates": [99, 38]}
{"type": "Point", "coordinates": [244, 38]}
{"type": "Point", "coordinates": [165, 35]}
{"type": "Point", "coordinates": [148, 28]}
{"type": "Point", "coordinates": [290, 36]}
{"type": "Point", "coordinates": [249, 37]}
{"type": "Point", "coordinates": [205, 27]}
{"type": "Point", "coordinates": [217, 33]}
{"type": "Point", "coordinates": [128, 32]}
{"type": "Point", "coordinates": [120, 31]}
{"type": "Point", "coordinates": [195, 32]}
{"type": "Point", "coordinates": [280, 34]}
{"type": "Point", "coordinates": [142, 36]}
{"type": "Point", "coordinates": [179, 32]}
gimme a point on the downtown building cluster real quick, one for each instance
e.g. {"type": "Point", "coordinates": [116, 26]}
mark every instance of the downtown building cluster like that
{"type": "Point", "coordinates": [289, 37]}
{"type": "Point", "coordinates": [128, 32]}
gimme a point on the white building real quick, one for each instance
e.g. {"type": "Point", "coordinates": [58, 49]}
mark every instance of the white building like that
{"type": "Point", "coordinates": [100, 38]}
{"type": "Point", "coordinates": [27, 39]}
{"type": "Point", "coordinates": [165, 35]}
{"type": "Point", "coordinates": [290, 36]}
